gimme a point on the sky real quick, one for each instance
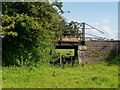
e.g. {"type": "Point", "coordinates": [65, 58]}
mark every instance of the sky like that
{"type": "Point", "coordinates": [101, 15]}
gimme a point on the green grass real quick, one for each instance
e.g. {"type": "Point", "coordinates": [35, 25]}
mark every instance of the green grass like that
{"type": "Point", "coordinates": [98, 75]}
{"type": "Point", "coordinates": [66, 51]}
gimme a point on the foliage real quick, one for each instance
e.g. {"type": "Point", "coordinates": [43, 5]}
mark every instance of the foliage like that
{"type": "Point", "coordinates": [114, 61]}
{"type": "Point", "coordinates": [73, 29]}
{"type": "Point", "coordinates": [30, 30]}
{"type": "Point", "coordinates": [58, 5]}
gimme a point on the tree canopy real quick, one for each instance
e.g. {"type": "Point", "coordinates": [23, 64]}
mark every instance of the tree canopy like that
{"type": "Point", "coordinates": [73, 28]}
{"type": "Point", "coordinates": [30, 30]}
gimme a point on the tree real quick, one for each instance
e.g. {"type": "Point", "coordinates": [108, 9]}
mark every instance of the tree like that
{"type": "Point", "coordinates": [57, 4]}
{"type": "Point", "coordinates": [73, 28]}
{"type": "Point", "coordinates": [29, 33]}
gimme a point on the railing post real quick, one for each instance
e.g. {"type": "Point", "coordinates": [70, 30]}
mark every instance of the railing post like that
{"type": "Point", "coordinates": [83, 32]}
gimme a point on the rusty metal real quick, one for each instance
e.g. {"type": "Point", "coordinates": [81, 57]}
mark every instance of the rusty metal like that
{"type": "Point", "coordinates": [83, 32]}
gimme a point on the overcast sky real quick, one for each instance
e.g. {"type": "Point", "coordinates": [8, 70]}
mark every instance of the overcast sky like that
{"type": "Point", "coordinates": [102, 15]}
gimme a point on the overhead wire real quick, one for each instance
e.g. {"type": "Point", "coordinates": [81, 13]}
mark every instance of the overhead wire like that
{"type": "Point", "coordinates": [94, 28]}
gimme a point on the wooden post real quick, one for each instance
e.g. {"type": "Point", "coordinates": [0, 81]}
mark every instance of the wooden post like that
{"type": "Point", "coordinates": [60, 60]}
{"type": "Point", "coordinates": [79, 58]}
{"type": "Point", "coordinates": [71, 60]}
{"type": "Point", "coordinates": [83, 32]}
{"type": "Point", "coordinates": [75, 52]}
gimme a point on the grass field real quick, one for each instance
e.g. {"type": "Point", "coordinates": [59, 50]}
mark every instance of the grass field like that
{"type": "Point", "coordinates": [98, 75]}
{"type": "Point", "coordinates": [66, 51]}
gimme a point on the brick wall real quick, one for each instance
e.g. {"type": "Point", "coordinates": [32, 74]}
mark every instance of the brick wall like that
{"type": "Point", "coordinates": [100, 50]}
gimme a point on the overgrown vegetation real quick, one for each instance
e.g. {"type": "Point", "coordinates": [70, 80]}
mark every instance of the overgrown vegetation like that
{"type": "Point", "coordinates": [114, 61]}
{"type": "Point", "coordinates": [98, 75]}
{"type": "Point", "coordinates": [30, 30]}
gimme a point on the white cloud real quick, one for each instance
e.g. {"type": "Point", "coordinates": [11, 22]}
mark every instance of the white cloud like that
{"type": "Point", "coordinates": [106, 16]}
{"type": "Point", "coordinates": [106, 21]}
{"type": "Point", "coordinates": [94, 23]}
{"type": "Point", "coordinates": [110, 33]}
{"type": "Point", "coordinates": [97, 24]}
{"type": "Point", "coordinates": [105, 26]}
{"type": "Point", "coordinates": [107, 30]}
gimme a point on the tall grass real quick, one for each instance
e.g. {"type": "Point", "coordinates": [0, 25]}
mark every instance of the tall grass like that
{"type": "Point", "coordinates": [99, 75]}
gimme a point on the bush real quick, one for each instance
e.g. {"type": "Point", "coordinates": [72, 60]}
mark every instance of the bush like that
{"type": "Point", "coordinates": [29, 33]}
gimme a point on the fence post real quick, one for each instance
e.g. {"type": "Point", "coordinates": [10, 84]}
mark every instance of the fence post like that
{"type": "Point", "coordinates": [60, 60]}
